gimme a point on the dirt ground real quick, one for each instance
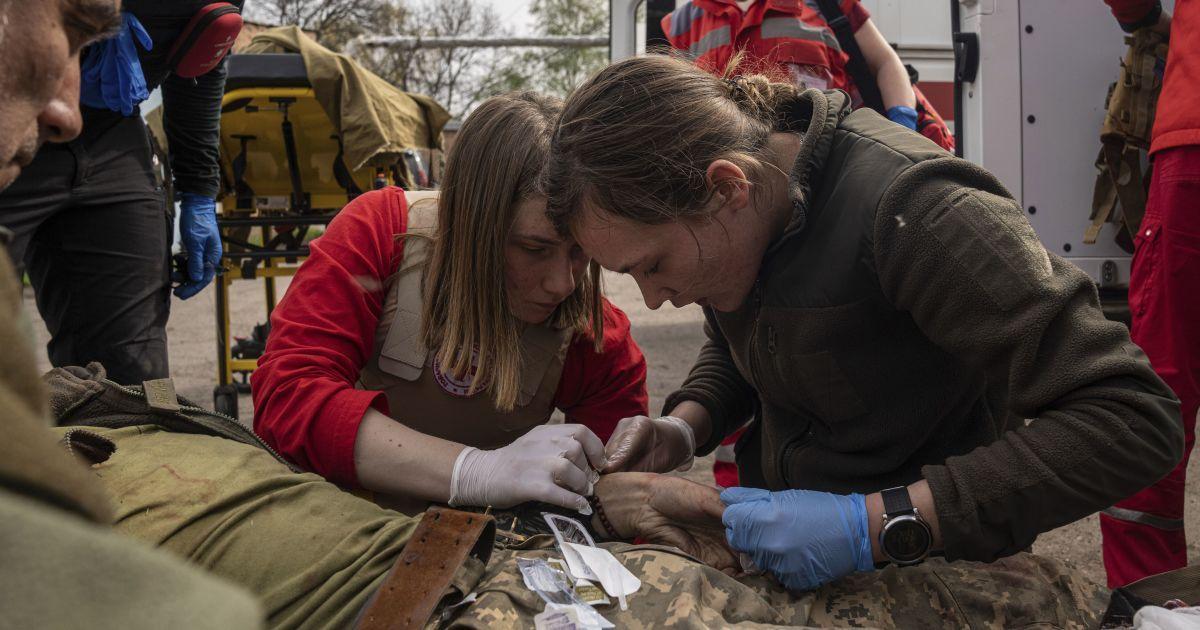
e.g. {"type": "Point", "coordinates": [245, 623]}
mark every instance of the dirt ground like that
{"type": "Point", "coordinates": [669, 337]}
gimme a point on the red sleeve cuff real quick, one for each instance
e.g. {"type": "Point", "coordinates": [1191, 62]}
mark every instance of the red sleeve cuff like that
{"type": "Point", "coordinates": [856, 14]}
{"type": "Point", "coordinates": [343, 413]}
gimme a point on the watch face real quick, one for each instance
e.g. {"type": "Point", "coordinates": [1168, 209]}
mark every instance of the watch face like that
{"type": "Point", "coordinates": [906, 540]}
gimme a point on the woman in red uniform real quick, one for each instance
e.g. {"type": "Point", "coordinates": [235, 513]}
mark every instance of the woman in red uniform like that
{"type": "Point", "coordinates": [424, 344]}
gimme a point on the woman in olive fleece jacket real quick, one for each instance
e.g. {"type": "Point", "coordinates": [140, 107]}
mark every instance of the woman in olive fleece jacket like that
{"type": "Point", "coordinates": [882, 309]}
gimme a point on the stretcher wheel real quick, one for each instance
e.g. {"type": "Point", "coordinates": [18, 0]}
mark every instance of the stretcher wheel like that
{"type": "Point", "coordinates": [225, 400]}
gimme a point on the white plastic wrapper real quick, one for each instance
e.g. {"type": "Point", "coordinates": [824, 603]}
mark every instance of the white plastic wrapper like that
{"type": "Point", "coordinates": [554, 588]}
{"type": "Point", "coordinates": [559, 617]}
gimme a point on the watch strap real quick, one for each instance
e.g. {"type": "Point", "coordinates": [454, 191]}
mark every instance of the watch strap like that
{"type": "Point", "coordinates": [896, 501]}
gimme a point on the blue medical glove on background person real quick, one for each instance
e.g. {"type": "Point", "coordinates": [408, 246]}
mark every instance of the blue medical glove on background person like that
{"type": "Point", "coordinates": [804, 538]}
{"type": "Point", "coordinates": [201, 242]}
{"type": "Point", "coordinates": [903, 115]}
{"type": "Point", "coordinates": [111, 75]}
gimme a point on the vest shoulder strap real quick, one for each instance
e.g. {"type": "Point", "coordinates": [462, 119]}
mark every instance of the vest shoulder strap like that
{"type": "Point", "coordinates": [540, 345]}
{"type": "Point", "coordinates": [403, 344]}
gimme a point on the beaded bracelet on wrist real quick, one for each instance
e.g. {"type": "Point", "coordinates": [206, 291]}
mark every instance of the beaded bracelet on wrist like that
{"type": "Point", "coordinates": [605, 525]}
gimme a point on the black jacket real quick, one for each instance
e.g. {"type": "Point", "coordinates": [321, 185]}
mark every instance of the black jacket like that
{"type": "Point", "coordinates": [905, 325]}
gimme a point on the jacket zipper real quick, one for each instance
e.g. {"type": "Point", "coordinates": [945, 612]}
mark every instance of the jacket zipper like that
{"type": "Point", "coordinates": [777, 464]}
{"type": "Point", "coordinates": [261, 443]}
{"type": "Point", "coordinates": [754, 334]}
{"type": "Point", "coordinates": [785, 456]}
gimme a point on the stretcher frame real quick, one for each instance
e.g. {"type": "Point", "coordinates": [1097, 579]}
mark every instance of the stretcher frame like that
{"type": "Point", "coordinates": [276, 255]}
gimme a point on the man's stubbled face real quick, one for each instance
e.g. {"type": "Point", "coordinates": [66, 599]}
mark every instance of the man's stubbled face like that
{"type": "Point", "coordinates": [40, 41]}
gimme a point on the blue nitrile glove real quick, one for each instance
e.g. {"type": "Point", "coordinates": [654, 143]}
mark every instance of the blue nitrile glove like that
{"type": "Point", "coordinates": [804, 538]}
{"type": "Point", "coordinates": [201, 241]}
{"type": "Point", "coordinates": [111, 76]}
{"type": "Point", "coordinates": [903, 115]}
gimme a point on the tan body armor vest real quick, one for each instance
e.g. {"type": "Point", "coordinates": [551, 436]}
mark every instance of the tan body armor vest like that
{"type": "Point", "coordinates": [428, 400]}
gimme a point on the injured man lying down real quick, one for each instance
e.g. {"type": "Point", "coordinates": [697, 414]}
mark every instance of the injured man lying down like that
{"type": "Point", "coordinates": [316, 556]}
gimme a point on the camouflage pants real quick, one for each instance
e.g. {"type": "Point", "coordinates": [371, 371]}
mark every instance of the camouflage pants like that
{"type": "Point", "coordinates": [1025, 591]}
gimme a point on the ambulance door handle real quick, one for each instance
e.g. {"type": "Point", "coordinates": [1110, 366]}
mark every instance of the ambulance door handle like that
{"type": "Point", "coordinates": [966, 57]}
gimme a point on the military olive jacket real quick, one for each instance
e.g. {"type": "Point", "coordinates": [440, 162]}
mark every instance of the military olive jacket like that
{"type": "Point", "coordinates": [909, 324]}
{"type": "Point", "coordinates": [60, 564]}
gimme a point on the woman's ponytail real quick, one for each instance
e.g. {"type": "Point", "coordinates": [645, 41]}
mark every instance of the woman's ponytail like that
{"type": "Point", "coordinates": [758, 95]}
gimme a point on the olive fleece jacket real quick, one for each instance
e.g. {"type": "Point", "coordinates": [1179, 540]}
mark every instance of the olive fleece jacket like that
{"type": "Point", "coordinates": [908, 324]}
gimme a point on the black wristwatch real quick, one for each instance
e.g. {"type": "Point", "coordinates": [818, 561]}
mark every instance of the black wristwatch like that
{"type": "Point", "coordinates": [906, 538]}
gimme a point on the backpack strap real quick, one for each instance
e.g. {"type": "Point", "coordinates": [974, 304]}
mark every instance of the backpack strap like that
{"type": "Point", "coordinates": [1104, 200]}
{"type": "Point", "coordinates": [342, 174]}
{"type": "Point", "coordinates": [1125, 136]}
{"type": "Point", "coordinates": [868, 88]}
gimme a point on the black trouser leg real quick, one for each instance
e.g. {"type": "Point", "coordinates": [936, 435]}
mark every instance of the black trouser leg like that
{"type": "Point", "coordinates": [100, 266]}
{"type": "Point", "coordinates": [42, 190]}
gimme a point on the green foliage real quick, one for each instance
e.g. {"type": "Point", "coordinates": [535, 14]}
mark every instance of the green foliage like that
{"type": "Point", "coordinates": [560, 70]}
{"type": "Point", "coordinates": [459, 78]}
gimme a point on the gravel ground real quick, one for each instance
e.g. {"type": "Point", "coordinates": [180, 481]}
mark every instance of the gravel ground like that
{"type": "Point", "coordinates": [669, 337]}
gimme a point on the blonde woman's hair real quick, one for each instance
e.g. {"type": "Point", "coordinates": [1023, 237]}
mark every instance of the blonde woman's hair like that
{"type": "Point", "coordinates": [496, 161]}
{"type": "Point", "coordinates": [636, 139]}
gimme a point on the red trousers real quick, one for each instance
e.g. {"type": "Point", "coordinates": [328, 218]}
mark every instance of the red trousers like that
{"type": "Point", "coordinates": [1143, 534]}
{"type": "Point", "coordinates": [725, 471]}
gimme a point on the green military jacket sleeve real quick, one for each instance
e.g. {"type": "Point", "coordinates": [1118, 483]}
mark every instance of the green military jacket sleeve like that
{"type": "Point", "coordinates": [1100, 425]}
{"type": "Point", "coordinates": [60, 571]}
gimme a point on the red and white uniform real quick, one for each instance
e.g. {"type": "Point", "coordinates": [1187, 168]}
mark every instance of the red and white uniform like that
{"type": "Point", "coordinates": [306, 404]}
{"type": "Point", "coordinates": [788, 40]}
{"type": "Point", "coordinates": [1144, 535]}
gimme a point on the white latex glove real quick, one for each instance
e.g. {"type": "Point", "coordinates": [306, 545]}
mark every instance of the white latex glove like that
{"type": "Point", "coordinates": [645, 444]}
{"type": "Point", "coordinates": [553, 463]}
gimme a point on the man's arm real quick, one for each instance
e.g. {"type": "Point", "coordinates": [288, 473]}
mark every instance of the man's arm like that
{"type": "Point", "coordinates": [192, 120]}
{"type": "Point", "coordinates": [885, 65]}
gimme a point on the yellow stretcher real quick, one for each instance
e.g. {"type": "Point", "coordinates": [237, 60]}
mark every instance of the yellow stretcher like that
{"type": "Point", "coordinates": [283, 174]}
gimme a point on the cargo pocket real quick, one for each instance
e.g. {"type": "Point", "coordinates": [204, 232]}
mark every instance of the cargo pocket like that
{"type": "Point", "coordinates": [824, 388]}
{"type": "Point", "coordinates": [1144, 275]}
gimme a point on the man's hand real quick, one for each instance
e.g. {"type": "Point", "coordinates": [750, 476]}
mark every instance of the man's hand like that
{"type": "Point", "coordinates": [201, 241]}
{"type": "Point", "coordinates": [804, 538]}
{"type": "Point", "coordinates": [644, 444]}
{"type": "Point", "coordinates": [670, 511]}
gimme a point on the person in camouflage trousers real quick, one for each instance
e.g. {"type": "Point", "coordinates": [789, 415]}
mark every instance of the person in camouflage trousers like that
{"type": "Point", "coordinates": [314, 554]}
